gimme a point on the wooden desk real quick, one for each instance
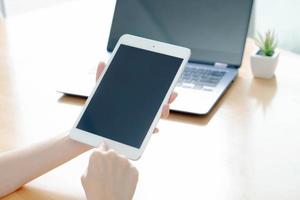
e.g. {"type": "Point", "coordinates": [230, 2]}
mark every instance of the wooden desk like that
{"type": "Point", "coordinates": [247, 148]}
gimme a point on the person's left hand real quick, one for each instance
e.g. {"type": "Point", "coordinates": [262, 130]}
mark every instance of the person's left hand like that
{"type": "Point", "coordinates": [166, 108]}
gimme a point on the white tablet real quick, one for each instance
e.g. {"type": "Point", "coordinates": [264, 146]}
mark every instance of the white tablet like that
{"type": "Point", "coordinates": [127, 101]}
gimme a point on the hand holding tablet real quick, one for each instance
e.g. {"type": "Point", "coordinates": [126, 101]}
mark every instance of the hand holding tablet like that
{"type": "Point", "coordinates": [128, 99]}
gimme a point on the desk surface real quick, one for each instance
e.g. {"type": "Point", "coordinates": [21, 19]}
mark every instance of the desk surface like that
{"type": "Point", "coordinates": [247, 148]}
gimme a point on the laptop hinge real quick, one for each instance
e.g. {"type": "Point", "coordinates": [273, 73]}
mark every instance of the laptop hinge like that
{"type": "Point", "coordinates": [222, 65]}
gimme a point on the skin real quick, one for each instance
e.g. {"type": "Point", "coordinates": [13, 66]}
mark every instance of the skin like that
{"type": "Point", "coordinates": [18, 167]}
{"type": "Point", "coordinates": [109, 176]}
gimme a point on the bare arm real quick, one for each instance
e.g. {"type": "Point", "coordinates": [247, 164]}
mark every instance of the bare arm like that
{"type": "Point", "coordinates": [20, 166]}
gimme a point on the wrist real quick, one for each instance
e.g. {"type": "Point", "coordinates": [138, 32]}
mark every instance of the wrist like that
{"type": "Point", "coordinates": [75, 146]}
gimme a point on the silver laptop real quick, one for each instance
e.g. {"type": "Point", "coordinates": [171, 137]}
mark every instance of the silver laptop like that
{"type": "Point", "coordinates": [215, 30]}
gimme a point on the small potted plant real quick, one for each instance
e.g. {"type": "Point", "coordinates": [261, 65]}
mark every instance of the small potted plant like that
{"type": "Point", "coordinates": [264, 61]}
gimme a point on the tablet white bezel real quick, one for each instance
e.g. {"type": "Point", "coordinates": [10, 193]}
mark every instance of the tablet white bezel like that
{"type": "Point", "coordinates": [146, 44]}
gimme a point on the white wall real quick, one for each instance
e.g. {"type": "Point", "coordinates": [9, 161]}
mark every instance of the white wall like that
{"type": "Point", "coordinates": [14, 7]}
{"type": "Point", "coordinates": [282, 16]}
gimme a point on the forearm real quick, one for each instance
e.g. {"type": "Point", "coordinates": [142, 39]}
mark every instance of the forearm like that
{"type": "Point", "coordinates": [18, 167]}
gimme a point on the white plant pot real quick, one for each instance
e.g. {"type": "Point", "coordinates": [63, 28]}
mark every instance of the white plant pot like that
{"type": "Point", "coordinates": [264, 66]}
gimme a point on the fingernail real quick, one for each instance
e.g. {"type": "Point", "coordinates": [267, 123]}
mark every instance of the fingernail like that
{"type": "Point", "coordinates": [103, 146]}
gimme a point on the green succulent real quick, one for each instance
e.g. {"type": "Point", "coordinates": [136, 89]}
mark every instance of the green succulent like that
{"type": "Point", "coordinates": [266, 44]}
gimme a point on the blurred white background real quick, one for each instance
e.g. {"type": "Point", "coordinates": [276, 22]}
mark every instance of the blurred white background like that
{"type": "Point", "coordinates": [14, 7]}
{"type": "Point", "coordinates": [282, 16]}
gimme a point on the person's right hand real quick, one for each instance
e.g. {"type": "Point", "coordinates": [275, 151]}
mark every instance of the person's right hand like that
{"type": "Point", "coordinates": [109, 176]}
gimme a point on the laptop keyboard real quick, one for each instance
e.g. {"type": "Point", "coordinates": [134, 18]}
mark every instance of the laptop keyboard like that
{"type": "Point", "coordinates": [200, 78]}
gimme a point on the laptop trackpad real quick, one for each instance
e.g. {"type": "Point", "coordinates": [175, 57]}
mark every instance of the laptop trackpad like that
{"type": "Point", "coordinates": [194, 101]}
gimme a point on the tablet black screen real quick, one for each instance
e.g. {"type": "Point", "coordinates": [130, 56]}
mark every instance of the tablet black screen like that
{"type": "Point", "coordinates": [129, 95]}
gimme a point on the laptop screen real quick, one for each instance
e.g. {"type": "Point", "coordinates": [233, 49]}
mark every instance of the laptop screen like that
{"type": "Point", "coordinates": [215, 30]}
